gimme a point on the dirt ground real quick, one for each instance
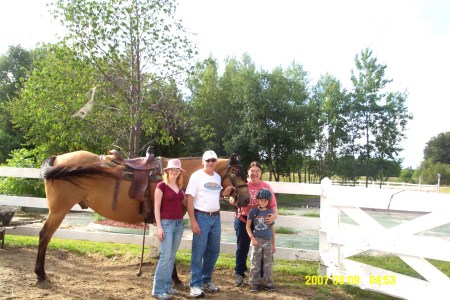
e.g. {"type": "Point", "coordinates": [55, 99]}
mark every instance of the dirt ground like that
{"type": "Point", "coordinates": [71, 276]}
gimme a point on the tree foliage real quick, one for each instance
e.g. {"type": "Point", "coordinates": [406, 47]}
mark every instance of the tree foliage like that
{"type": "Point", "coordinates": [331, 103]}
{"type": "Point", "coordinates": [135, 45]}
{"type": "Point", "coordinates": [60, 84]}
{"type": "Point", "coordinates": [14, 66]}
{"type": "Point", "coordinates": [437, 148]}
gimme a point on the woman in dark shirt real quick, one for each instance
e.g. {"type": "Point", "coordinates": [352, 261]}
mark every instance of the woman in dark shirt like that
{"type": "Point", "coordinates": [169, 198]}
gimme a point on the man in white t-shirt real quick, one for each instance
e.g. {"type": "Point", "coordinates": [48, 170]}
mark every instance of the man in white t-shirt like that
{"type": "Point", "coordinates": [203, 204]}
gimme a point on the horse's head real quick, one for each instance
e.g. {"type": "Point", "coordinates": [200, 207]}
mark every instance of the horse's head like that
{"type": "Point", "coordinates": [235, 175]}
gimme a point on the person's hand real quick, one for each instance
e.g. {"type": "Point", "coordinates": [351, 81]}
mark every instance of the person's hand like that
{"type": "Point", "coordinates": [255, 242]}
{"type": "Point", "coordinates": [227, 191]}
{"type": "Point", "coordinates": [160, 233]}
{"type": "Point", "coordinates": [232, 201]}
{"type": "Point", "coordinates": [274, 248]}
{"type": "Point", "coordinates": [269, 219]}
{"type": "Point", "coordinates": [195, 228]}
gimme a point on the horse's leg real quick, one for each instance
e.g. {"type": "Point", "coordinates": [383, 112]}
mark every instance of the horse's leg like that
{"type": "Point", "coordinates": [175, 277]}
{"type": "Point", "coordinates": [45, 235]}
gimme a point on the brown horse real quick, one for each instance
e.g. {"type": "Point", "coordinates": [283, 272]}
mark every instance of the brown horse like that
{"type": "Point", "coordinates": [83, 178]}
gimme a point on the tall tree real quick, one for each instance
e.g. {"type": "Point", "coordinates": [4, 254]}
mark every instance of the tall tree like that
{"type": "Point", "coordinates": [437, 148]}
{"type": "Point", "coordinates": [332, 102]}
{"type": "Point", "coordinates": [134, 44]}
{"type": "Point", "coordinates": [382, 116]}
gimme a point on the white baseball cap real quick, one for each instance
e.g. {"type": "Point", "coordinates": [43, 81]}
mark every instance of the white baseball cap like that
{"type": "Point", "coordinates": [209, 154]}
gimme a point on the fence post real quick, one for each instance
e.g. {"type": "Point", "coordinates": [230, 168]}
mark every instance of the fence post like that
{"type": "Point", "coordinates": [439, 183]}
{"type": "Point", "coordinates": [327, 221]}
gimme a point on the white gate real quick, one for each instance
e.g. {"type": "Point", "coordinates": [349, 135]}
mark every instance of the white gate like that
{"type": "Point", "coordinates": [339, 241]}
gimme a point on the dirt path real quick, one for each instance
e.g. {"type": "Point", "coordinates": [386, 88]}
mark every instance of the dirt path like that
{"type": "Point", "coordinates": [73, 276]}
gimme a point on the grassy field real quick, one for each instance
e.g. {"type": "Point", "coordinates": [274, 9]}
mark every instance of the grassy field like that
{"type": "Point", "coordinates": [287, 273]}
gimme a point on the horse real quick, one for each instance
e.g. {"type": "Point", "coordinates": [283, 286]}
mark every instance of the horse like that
{"type": "Point", "coordinates": [97, 182]}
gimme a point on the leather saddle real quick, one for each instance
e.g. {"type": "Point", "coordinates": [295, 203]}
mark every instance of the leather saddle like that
{"type": "Point", "coordinates": [141, 171]}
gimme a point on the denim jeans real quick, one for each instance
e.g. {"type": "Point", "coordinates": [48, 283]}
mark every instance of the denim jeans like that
{"type": "Point", "coordinates": [243, 247]}
{"type": "Point", "coordinates": [173, 231]}
{"type": "Point", "coordinates": [205, 249]}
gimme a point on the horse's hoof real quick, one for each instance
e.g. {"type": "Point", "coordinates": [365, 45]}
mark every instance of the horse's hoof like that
{"type": "Point", "coordinates": [44, 284]}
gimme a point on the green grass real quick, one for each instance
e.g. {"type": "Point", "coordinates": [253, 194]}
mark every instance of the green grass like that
{"type": "Point", "coordinates": [444, 189]}
{"type": "Point", "coordinates": [285, 212]}
{"type": "Point", "coordinates": [284, 230]}
{"type": "Point", "coordinates": [312, 214]}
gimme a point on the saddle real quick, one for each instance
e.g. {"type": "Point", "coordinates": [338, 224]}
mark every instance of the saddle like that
{"type": "Point", "coordinates": [142, 172]}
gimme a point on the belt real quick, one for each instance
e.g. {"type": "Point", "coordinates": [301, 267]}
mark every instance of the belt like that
{"type": "Point", "coordinates": [214, 213]}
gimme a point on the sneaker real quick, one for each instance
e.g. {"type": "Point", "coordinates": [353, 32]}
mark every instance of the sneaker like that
{"type": "Point", "coordinates": [254, 288]}
{"type": "Point", "coordinates": [270, 288]}
{"type": "Point", "coordinates": [162, 296]}
{"type": "Point", "coordinates": [196, 292]}
{"type": "Point", "coordinates": [239, 280]}
{"type": "Point", "coordinates": [210, 287]}
{"type": "Point", "coordinates": [172, 291]}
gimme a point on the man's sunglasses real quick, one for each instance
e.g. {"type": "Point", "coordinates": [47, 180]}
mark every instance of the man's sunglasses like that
{"type": "Point", "coordinates": [211, 160]}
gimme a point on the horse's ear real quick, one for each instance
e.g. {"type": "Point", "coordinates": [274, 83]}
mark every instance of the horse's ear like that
{"type": "Point", "coordinates": [234, 159]}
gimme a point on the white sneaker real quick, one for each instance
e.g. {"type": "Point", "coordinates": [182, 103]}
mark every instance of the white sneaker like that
{"type": "Point", "coordinates": [210, 287]}
{"type": "Point", "coordinates": [196, 292]}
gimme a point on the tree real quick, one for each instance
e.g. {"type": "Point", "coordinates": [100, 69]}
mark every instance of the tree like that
{"type": "Point", "coordinates": [207, 110]}
{"type": "Point", "coordinates": [332, 102]}
{"type": "Point", "coordinates": [437, 149]}
{"type": "Point", "coordinates": [14, 66]}
{"type": "Point", "coordinates": [428, 172]}
{"type": "Point", "coordinates": [134, 45]}
{"type": "Point", "coordinates": [277, 120]}
{"type": "Point", "coordinates": [48, 108]}
{"type": "Point", "coordinates": [381, 116]}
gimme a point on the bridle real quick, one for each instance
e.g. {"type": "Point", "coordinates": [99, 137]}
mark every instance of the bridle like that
{"type": "Point", "coordinates": [232, 171]}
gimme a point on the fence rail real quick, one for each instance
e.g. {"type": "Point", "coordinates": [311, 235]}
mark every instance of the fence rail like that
{"type": "Point", "coordinates": [391, 185]}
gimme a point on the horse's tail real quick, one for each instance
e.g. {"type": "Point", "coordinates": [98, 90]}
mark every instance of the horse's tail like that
{"type": "Point", "coordinates": [73, 173]}
{"type": "Point", "coordinates": [46, 165]}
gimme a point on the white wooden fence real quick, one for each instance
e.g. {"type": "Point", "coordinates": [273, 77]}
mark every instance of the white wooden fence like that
{"type": "Point", "coordinates": [338, 241]}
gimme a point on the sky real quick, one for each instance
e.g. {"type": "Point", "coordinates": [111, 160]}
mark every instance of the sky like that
{"type": "Point", "coordinates": [410, 37]}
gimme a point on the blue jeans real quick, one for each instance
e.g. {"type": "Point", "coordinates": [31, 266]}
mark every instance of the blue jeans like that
{"type": "Point", "coordinates": [173, 231]}
{"type": "Point", "coordinates": [205, 249]}
{"type": "Point", "coordinates": [243, 247]}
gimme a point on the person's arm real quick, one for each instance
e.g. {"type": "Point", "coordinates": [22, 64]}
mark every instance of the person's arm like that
{"type": "Point", "coordinates": [274, 248]}
{"type": "Point", "coordinates": [248, 227]}
{"type": "Point", "coordinates": [158, 200]}
{"type": "Point", "coordinates": [272, 217]}
{"type": "Point", "coordinates": [190, 208]}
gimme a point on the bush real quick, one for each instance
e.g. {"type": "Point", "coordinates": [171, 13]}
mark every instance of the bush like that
{"type": "Point", "coordinates": [22, 158]}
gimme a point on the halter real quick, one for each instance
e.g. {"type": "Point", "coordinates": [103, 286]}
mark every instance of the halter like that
{"type": "Point", "coordinates": [232, 171]}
